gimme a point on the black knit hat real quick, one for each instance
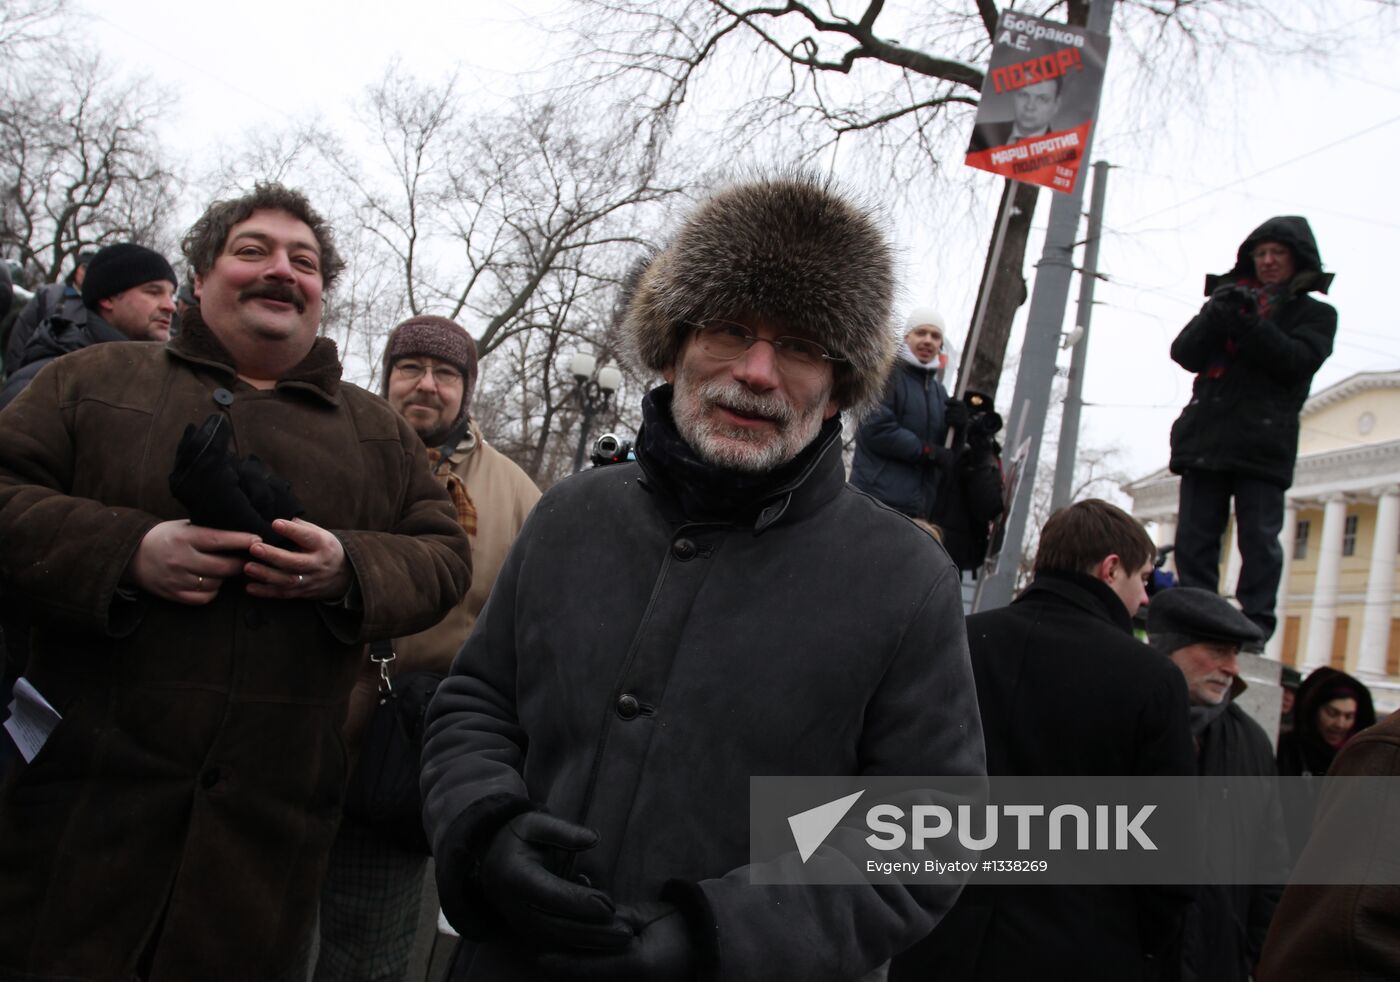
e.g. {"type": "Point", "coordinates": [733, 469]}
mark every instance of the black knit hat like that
{"type": "Point", "coordinates": [434, 337]}
{"type": "Point", "coordinates": [120, 267]}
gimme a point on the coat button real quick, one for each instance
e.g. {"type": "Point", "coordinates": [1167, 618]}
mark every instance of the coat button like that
{"type": "Point", "coordinates": [223, 397]}
{"type": "Point", "coordinates": [254, 619]}
{"type": "Point", "coordinates": [627, 706]}
{"type": "Point", "coordinates": [683, 549]}
{"type": "Point", "coordinates": [209, 778]}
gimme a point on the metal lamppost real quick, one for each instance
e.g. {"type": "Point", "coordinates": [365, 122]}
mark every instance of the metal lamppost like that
{"type": "Point", "coordinates": [594, 396]}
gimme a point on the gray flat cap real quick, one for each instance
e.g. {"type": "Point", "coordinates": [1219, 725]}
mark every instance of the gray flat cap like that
{"type": "Point", "coordinates": [1198, 615]}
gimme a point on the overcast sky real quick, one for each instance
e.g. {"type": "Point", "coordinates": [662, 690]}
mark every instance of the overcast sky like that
{"type": "Point", "coordinates": [1290, 139]}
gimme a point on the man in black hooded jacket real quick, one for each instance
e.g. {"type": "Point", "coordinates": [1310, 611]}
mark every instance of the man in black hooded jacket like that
{"type": "Point", "coordinates": [1254, 347]}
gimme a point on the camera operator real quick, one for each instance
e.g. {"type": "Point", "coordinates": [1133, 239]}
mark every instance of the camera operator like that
{"type": "Point", "coordinates": [1254, 347]}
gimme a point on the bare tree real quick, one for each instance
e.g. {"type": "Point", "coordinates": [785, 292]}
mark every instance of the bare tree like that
{"type": "Point", "coordinates": [516, 225]}
{"type": "Point", "coordinates": [901, 82]}
{"type": "Point", "coordinates": [80, 164]}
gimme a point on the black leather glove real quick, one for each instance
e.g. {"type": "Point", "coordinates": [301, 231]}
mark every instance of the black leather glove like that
{"type": "Point", "coordinates": [220, 491]}
{"type": "Point", "coordinates": [941, 458]}
{"type": "Point", "coordinates": [270, 495]}
{"type": "Point", "coordinates": [544, 909]}
{"type": "Point", "coordinates": [955, 412]}
{"type": "Point", "coordinates": [205, 481]}
{"type": "Point", "coordinates": [661, 951]}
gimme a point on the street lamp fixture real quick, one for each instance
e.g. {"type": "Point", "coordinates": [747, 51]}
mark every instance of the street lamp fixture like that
{"type": "Point", "coordinates": [594, 395]}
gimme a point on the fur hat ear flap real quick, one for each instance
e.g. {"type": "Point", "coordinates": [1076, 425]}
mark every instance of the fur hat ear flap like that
{"type": "Point", "coordinates": [790, 249]}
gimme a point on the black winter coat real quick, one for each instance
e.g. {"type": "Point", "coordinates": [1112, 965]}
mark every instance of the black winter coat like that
{"type": "Point", "coordinates": [633, 669]}
{"type": "Point", "coordinates": [1226, 926]}
{"type": "Point", "coordinates": [890, 461]}
{"type": "Point", "coordinates": [1065, 689]}
{"type": "Point", "coordinates": [56, 336]}
{"type": "Point", "coordinates": [54, 300]}
{"type": "Point", "coordinates": [1253, 375]}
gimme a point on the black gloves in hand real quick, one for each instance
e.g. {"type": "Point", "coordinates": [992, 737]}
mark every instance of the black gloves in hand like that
{"type": "Point", "coordinates": [955, 412]}
{"type": "Point", "coordinates": [543, 908]}
{"type": "Point", "coordinates": [1235, 304]}
{"type": "Point", "coordinates": [661, 951]}
{"type": "Point", "coordinates": [221, 491]}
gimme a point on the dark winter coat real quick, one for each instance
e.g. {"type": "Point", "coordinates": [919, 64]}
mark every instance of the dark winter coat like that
{"type": "Point", "coordinates": [892, 444]}
{"type": "Point", "coordinates": [633, 669]}
{"type": "Point", "coordinates": [54, 337]}
{"type": "Point", "coordinates": [185, 805]}
{"type": "Point", "coordinates": [1065, 689]}
{"type": "Point", "coordinates": [1303, 753]}
{"type": "Point", "coordinates": [54, 300]}
{"type": "Point", "coordinates": [970, 499]}
{"type": "Point", "coordinates": [1345, 933]}
{"type": "Point", "coordinates": [1253, 376]}
{"type": "Point", "coordinates": [1226, 926]}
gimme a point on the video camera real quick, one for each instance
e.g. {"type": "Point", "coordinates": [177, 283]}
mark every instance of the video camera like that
{"type": "Point", "coordinates": [611, 449]}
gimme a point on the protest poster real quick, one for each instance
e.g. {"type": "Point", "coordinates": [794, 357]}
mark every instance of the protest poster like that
{"type": "Point", "coordinates": [1039, 101]}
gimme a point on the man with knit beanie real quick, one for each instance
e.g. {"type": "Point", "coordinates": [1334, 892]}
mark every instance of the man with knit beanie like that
{"type": "Point", "coordinates": [724, 606]}
{"type": "Point", "coordinates": [902, 457]}
{"type": "Point", "coordinates": [373, 888]}
{"type": "Point", "coordinates": [129, 295]}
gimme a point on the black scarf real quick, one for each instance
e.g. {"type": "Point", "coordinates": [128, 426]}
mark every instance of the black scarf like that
{"type": "Point", "coordinates": [707, 492]}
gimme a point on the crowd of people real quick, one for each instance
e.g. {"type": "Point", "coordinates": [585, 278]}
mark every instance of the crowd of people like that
{"type": "Point", "coordinates": [228, 572]}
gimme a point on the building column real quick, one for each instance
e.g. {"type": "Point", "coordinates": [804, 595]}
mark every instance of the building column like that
{"type": "Point", "coordinates": [1274, 648]}
{"type": "Point", "coordinates": [1166, 536]}
{"type": "Point", "coordinates": [1329, 568]}
{"type": "Point", "coordinates": [1235, 560]}
{"type": "Point", "coordinates": [1380, 584]}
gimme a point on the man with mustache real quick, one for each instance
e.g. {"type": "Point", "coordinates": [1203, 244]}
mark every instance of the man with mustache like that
{"type": "Point", "coordinates": [1225, 926]}
{"type": "Point", "coordinates": [370, 901]}
{"type": "Point", "coordinates": [174, 824]}
{"type": "Point", "coordinates": [723, 607]}
{"type": "Point", "coordinates": [128, 294]}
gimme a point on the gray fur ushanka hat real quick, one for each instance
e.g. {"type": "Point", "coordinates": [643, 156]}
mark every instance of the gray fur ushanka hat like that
{"type": "Point", "coordinates": [787, 248]}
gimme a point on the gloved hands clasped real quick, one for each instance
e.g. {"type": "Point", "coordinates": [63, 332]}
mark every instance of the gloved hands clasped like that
{"type": "Point", "coordinates": [576, 930]}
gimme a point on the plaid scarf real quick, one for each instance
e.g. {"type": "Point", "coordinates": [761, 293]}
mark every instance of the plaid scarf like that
{"type": "Point", "coordinates": [457, 488]}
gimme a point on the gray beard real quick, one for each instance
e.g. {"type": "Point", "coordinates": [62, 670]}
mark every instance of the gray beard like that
{"type": "Point", "coordinates": [738, 449]}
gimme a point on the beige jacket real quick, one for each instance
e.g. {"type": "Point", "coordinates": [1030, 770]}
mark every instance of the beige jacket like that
{"type": "Point", "coordinates": [503, 495]}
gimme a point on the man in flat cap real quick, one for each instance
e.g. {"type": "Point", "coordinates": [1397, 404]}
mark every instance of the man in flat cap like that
{"type": "Point", "coordinates": [1202, 634]}
{"type": "Point", "coordinates": [725, 606]}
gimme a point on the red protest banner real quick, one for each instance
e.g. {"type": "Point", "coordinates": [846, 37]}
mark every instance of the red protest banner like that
{"type": "Point", "coordinates": [1038, 101]}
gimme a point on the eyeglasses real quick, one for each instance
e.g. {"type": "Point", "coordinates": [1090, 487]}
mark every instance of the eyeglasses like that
{"type": "Point", "coordinates": [726, 341]}
{"type": "Point", "coordinates": [413, 371]}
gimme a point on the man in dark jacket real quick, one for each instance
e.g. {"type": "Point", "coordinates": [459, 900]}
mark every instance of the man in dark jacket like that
{"type": "Point", "coordinates": [63, 300]}
{"type": "Point", "coordinates": [1225, 927]}
{"type": "Point", "coordinates": [1065, 689]}
{"type": "Point", "coordinates": [128, 295]}
{"type": "Point", "coordinates": [1254, 347]}
{"type": "Point", "coordinates": [198, 643]}
{"type": "Point", "coordinates": [723, 607]}
{"type": "Point", "coordinates": [901, 457]}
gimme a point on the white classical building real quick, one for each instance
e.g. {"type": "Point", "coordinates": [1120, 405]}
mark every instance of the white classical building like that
{"type": "Point", "coordinates": [1341, 534]}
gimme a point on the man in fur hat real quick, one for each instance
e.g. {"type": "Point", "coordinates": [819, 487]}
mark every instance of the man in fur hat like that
{"type": "Point", "coordinates": [371, 897]}
{"type": "Point", "coordinates": [725, 606]}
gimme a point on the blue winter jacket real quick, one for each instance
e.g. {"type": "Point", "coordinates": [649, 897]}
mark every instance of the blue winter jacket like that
{"type": "Point", "coordinates": [891, 463]}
